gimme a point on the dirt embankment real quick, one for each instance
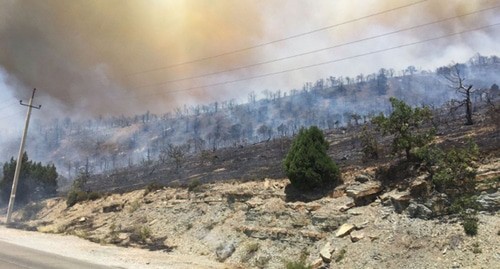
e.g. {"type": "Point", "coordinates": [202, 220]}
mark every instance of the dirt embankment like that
{"type": "Point", "coordinates": [258, 225]}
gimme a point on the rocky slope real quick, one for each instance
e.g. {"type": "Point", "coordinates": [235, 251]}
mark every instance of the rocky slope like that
{"type": "Point", "coordinates": [261, 225]}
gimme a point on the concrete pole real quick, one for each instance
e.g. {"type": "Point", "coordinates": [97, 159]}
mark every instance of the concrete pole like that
{"type": "Point", "coordinates": [20, 158]}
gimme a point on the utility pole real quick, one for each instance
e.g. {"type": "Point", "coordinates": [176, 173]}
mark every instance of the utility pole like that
{"type": "Point", "coordinates": [20, 155]}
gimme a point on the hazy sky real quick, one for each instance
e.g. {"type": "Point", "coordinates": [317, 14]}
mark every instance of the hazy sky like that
{"type": "Point", "coordinates": [90, 57]}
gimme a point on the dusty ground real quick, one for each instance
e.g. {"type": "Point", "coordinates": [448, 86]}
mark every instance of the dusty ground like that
{"type": "Point", "coordinates": [72, 246]}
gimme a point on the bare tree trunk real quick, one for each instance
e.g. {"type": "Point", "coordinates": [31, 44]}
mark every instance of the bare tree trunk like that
{"type": "Point", "coordinates": [468, 107]}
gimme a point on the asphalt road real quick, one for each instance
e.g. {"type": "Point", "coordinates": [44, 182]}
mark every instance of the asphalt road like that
{"type": "Point", "coordinates": [18, 257]}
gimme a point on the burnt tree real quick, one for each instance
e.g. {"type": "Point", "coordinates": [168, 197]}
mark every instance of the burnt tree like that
{"type": "Point", "coordinates": [455, 75]}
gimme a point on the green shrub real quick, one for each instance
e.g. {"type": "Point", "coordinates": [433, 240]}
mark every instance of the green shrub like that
{"type": "Point", "coordinates": [340, 256]}
{"type": "Point", "coordinates": [75, 196]}
{"type": "Point", "coordinates": [152, 187]}
{"type": "Point", "coordinates": [94, 195]}
{"type": "Point", "coordinates": [470, 224]}
{"type": "Point", "coordinates": [194, 184]}
{"type": "Point", "coordinates": [405, 124]}
{"type": "Point", "coordinates": [307, 164]}
{"type": "Point", "coordinates": [475, 248]}
{"type": "Point", "coordinates": [297, 265]}
{"type": "Point", "coordinates": [369, 144]}
{"type": "Point", "coordinates": [453, 171]}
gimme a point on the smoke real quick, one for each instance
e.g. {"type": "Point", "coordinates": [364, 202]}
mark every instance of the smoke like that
{"type": "Point", "coordinates": [88, 57]}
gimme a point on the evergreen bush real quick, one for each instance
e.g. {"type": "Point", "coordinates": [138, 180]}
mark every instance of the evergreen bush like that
{"type": "Point", "coordinates": [307, 164]}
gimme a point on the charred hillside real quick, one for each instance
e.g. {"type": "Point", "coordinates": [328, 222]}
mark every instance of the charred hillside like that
{"type": "Point", "coordinates": [110, 144]}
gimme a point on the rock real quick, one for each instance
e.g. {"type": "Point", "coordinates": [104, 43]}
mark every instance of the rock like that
{"type": "Point", "coordinates": [326, 252]}
{"type": "Point", "coordinates": [82, 219]}
{"type": "Point", "coordinates": [420, 211]}
{"type": "Point", "coordinates": [112, 208]}
{"type": "Point", "coordinates": [123, 236]}
{"type": "Point", "coordinates": [361, 225]}
{"type": "Point", "coordinates": [356, 236]}
{"type": "Point", "coordinates": [489, 201]}
{"type": "Point", "coordinates": [347, 206]}
{"type": "Point", "coordinates": [373, 237]}
{"type": "Point", "coordinates": [399, 200]}
{"type": "Point", "coordinates": [327, 222]}
{"type": "Point", "coordinates": [364, 193]}
{"type": "Point", "coordinates": [419, 187]}
{"type": "Point", "coordinates": [344, 230]}
{"type": "Point", "coordinates": [317, 263]}
{"type": "Point", "coordinates": [224, 251]}
{"type": "Point", "coordinates": [438, 204]}
{"type": "Point", "coordinates": [362, 178]}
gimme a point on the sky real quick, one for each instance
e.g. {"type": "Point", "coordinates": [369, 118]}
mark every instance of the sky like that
{"type": "Point", "coordinates": [92, 57]}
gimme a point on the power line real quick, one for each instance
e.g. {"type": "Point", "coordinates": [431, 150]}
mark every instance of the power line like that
{"type": "Point", "coordinates": [316, 50]}
{"type": "Point", "coordinates": [333, 61]}
{"type": "Point", "coordinates": [276, 41]}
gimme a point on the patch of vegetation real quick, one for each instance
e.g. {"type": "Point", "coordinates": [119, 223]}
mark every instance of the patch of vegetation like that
{"type": "Point", "coordinates": [250, 249]}
{"type": "Point", "coordinates": [194, 185]}
{"type": "Point", "coordinates": [151, 187]}
{"type": "Point", "coordinates": [470, 224]}
{"type": "Point", "coordinates": [405, 124]}
{"type": "Point", "coordinates": [341, 255]}
{"type": "Point", "coordinates": [297, 265]}
{"type": "Point", "coordinates": [141, 234]}
{"type": "Point", "coordinates": [77, 194]}
{"type": "Point", "coordinates": [475, 248]}
{"type": "Point", "coordinates": [31, 210]}
{"type": "Point", "coordinates": [307, 164]}
{"type": "Point", "coordinates": [369, 144]}
{"type": "Point", "coordinates": [36, 181]}
{"type": "Point", "coordinates": [134, 206]}
{"type": "Point", "coordinates": [453, 173]}
{"type": "Point", "coordinates": [113, 231]}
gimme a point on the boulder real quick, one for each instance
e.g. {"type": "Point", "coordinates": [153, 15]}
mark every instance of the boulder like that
{"type": "Point", "coordinates": [344, 230]}
{"type": "Point", "coordinates": [489, 201]}
{"type": "Point", "coordinates": [399, 199]}
{"type": "Point", "coordinates": [419, 187]}
{"type": "Point", "coordinates": [326, 252]}
{"type": "Point", "coordinates": [364, 193]}
{"type": "Point", "coordinates": [224, 251]}
{"type": "Point", "coordinates": [420, 211]}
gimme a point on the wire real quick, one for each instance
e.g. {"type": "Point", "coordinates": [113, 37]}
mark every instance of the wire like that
{"type": "Point", "coordinates": [276, 41]}
{"type": "Point", "coordinates": [317, 50]}
{"type": "Point", "coordinates": [332, 61]}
